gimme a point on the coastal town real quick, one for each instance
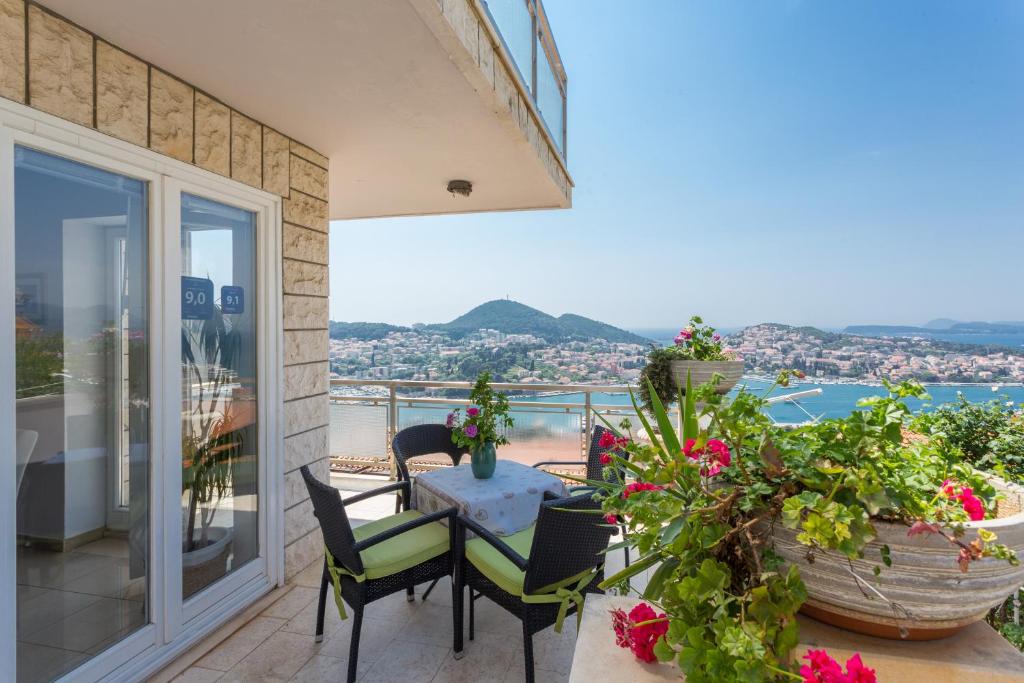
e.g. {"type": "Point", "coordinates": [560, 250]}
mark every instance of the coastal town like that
{"type": "Point", "coordinates": [528, 358]}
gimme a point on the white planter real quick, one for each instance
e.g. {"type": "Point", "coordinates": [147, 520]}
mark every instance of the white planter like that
{"type": "Point", "coordinates": [203, 566]}
{"type": "Point", "coordinates": [701, 372]}
{"type": "Point", "coordinates": [930, 597]}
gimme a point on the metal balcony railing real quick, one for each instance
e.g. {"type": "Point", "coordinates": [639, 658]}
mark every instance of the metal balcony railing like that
{"type": "Point", "coordinates": [550, 424]}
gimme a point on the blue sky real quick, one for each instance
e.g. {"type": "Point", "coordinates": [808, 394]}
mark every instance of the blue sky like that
{"type": "Point", "coordinates": [824, 163]}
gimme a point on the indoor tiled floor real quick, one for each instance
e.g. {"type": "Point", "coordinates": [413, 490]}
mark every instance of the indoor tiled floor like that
{"type": "Point", "coordinates": [400, 640]}
{"type": "Point", "coordinates": [72, 605]}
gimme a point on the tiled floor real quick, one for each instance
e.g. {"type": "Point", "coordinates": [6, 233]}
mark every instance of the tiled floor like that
{"type": "Point", "coordinates": [400, 641]}
{"type": "Point", "coordinates": [72, 605]}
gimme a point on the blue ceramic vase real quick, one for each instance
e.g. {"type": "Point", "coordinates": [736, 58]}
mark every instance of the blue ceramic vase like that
{"type": "Point", "coordinates": [483, 460]}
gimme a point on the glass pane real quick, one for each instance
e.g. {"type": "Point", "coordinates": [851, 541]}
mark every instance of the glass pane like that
{"type": "Point", "coordinates": [218, 365]}
{"type": "Point", "coordinates": [549, 97]}
{"type": "Point", "coordinates": [515, 24]}
{"type": "Point", "coordinates": [83, 424]}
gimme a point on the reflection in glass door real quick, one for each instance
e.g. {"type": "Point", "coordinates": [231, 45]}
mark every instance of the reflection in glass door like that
{"type": "Point", "coordinates": [220, 523]}
{"type": "Point", "coordinates": [82, 411]}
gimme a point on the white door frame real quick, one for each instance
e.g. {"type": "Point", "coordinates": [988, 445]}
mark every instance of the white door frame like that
{"type": "Point", "coordinates": [173, 627]}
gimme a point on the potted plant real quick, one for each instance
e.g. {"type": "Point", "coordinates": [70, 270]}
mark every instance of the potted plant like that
{"type": "Point", "coordinates": [707, 509]}
{"type": "Point", "coordinates": [484, 426]}
{"type": "Point", "coordinates": [697, 353]}
{"type": "Point", "coordinates": [211, 444]}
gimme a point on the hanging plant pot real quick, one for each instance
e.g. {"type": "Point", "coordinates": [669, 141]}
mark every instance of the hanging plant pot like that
{"type": "Point", "coordinates": [701, 372]}
{"type": "Point", "coordinates": [926, 596]}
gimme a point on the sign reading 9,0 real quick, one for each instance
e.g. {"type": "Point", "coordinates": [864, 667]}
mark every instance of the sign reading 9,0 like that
{"type": "Point", "coordinates": [196, 298]}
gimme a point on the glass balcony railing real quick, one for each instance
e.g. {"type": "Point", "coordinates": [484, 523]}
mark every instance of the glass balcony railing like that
{"type": "Point", "coordinates": [523, 28]}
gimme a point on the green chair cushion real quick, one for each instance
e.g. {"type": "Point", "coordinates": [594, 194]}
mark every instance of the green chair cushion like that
{"type": "Point", "coordinates": [500, 570]}
{"type": "Point", "coordinates": [403, 551]}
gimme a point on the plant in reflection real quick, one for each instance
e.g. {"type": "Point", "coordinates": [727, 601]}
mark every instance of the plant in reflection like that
{"type": "Point", "coordinates": [700, 506]}
{"type": "Point", "coordinates": [40, 364]}
{"type": "Point", "coordinates": [211, 441]}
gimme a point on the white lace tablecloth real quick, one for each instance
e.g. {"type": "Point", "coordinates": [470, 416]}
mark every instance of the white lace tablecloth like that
{"type": "Point", "coordinates": [504, 504]}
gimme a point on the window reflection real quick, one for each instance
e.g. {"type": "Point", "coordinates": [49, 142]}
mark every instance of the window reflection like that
{"type": "Point", "coordinates": [218, 360]}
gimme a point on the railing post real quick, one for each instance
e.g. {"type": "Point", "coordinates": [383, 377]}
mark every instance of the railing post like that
{"type": "Point", "coordinates": [586, 423]}
{"type": "Point", "coordinates": [392, 428]}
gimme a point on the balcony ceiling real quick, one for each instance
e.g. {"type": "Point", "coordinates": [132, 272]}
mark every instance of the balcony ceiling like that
{"type": "Point", "coordinates": [365, 82]}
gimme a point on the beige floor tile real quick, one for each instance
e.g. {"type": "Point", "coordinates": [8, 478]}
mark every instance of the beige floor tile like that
{"type": "Point", "coordinates": [111, 547]}
{"type": "Point", "coordinates": [304, 621]}
{"type": "Point", "coordinates": [516, 674]}
{"type": "Point", "coordinates": [292, 603]}
{"type": "Point", "coordinates": [428, 623]}
{"type": "Point", "coordinates": [374, 641]}
{"type": "Point", "coordinates": [241, 643]}
{"type": "Point", "coordinates": [91, 628]}
{"type": "Point", "coordinates": [553, 651]}
{"type": "Point", "coordinates": [485, 659]}
{"type": "Point", "coordinates": [48, 606]}
{"type": "Point", "coordinates": [311, 575]}
{"type": "Point", "coordinates": [407, 661]}
{"type": "Point", "coordinates": [322, 668]}
{"type": "Point", "coordinates": [277, 658]}
{"type": "Point", "coordinates": [195, 674]}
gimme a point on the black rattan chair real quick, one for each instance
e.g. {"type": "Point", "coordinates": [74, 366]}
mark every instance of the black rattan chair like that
{"type": "Point", "coordinates": [428, 439]}
{"type": "Point", "coordinates": [539, 575]}
{"type": "Point", "coordinates": [379, 558]}
{"type": "Point", "coordinates": [412, 442]}
{"type": "Point", "coordinates": [594, 468]}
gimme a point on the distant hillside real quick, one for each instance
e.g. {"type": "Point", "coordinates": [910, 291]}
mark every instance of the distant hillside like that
{"type": "Point", "coordinates": [886, 330]}
{"type": "Point", "coordinates": [510, 317]}
{"type": "Point", "coordinates": [940, 325]}
{"type": "Point", "coordinates": [364, 331]}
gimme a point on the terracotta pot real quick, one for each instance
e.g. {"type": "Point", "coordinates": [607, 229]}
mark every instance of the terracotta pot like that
{"type": "Point", "coordinates": [701, 372]}
{"type": "Point", "coordinates": [926, 596]}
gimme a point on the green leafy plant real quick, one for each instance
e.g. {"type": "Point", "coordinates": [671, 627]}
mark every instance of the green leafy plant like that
{"type": "Point", "coordinates": [990, 434]}
{"type": "Point", "coordinates": [211, 442]}
{"type": "Point", "coordinates": [701, 504]}
{"type": "Point", "coordinates": [486, 420]}
{"type": "Point", "coordinates": [696, 341]}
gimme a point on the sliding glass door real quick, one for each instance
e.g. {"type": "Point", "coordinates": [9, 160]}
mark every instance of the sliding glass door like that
{"type": "Point", "coordinates": [82, 397]}
{"type": "Point", "coordinates": [140, 355]}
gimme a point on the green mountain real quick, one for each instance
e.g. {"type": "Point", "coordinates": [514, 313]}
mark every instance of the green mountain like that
{"type": "Point", "coordinates": [364, 331]}
{"type": "Point", "coordinates": [510, 317]}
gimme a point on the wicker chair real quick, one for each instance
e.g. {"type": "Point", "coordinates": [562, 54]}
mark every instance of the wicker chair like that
{"type": "Point", "coordinates": [379, 558]}
{"type": "Point", "coordinates": [412, 442]}
{"type": "Point", "coordinates": [595, 470]}
{"type": "Point", "coordinates": [541, 574]}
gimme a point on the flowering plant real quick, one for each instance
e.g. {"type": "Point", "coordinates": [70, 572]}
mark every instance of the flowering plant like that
{"type": "Point", "coordinates": [696, 341]}
{"type": "Point", "coordinates": [701, 504]}
{"type": "Point", "coordinates": [486, 419]}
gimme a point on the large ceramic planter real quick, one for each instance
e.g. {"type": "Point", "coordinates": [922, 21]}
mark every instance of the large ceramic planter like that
{"type": "Point", "coordinates": [929, 596]}
{"type": "Point", "coordinates": [701, 372]}
{"type": "Point", "coordinates": [203, 566]}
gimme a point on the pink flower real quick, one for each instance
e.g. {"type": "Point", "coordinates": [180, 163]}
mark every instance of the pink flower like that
{"type": "Point", "coordinates": [470, 431]}
{"type": "Point", "coordinates": [972, 505]}
{"type": "Point", "coordinates": [611, 519]}
{"type": "Point", "coordinates": [824, 669]}
{"type": "Point", "coordinates": [716, 337]}
{"type": "Point", "coordinates": [713, 457]}
{"type": "Point", "coordinates": [450, 422]}
{"type": "Point", "coordinates": [638, 486]}
{"type": "Point", "coordinates": [683, 337]}
{"type": "Point", "coordinates": [640, 640]}
{"type": "Point", "coordinates": [472, 412]}
{"type": "Point", "coordinates": [606, 459]}
{"type": "Point", "coordinates": [607, 440]}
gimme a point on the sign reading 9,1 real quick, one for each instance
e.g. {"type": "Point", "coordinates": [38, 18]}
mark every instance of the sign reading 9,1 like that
{"type": "Point", "coordinates": [196, 298]}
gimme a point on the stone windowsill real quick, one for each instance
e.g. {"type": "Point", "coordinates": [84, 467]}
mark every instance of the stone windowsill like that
{"type": "Point", "coordinates": [976, 653]}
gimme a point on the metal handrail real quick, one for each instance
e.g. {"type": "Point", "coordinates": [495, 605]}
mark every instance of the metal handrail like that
{"type": "Point", "coordinates": [500, 386]}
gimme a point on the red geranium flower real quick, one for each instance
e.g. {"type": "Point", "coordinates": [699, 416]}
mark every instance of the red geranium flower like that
{"type": "Point", "coordinates": [607, 440]}
{"type": "Point", "coordinates": [824, 669]}
{"type": "Point", "coordinates": [631, 632]}
{"type": "Point", "coordinates": [713, 457]}
{"type": "Point", "coordinates": [638, 486]}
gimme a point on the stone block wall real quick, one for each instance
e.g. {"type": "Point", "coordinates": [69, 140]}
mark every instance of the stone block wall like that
{"type": "Point", "coordinates": [501, 81]}
{"type": "Point", "coordinates": [55, 66]}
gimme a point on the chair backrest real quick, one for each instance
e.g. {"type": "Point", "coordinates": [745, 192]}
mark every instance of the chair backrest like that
{"type": "Point", "coordinates": [594, 467]}
{"type": "Point", "coordinates": [570, 538]}
{"type": "Point", "coordinates": [429, 439]}
{"type": "Point", "coordinates": [334, 524]}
